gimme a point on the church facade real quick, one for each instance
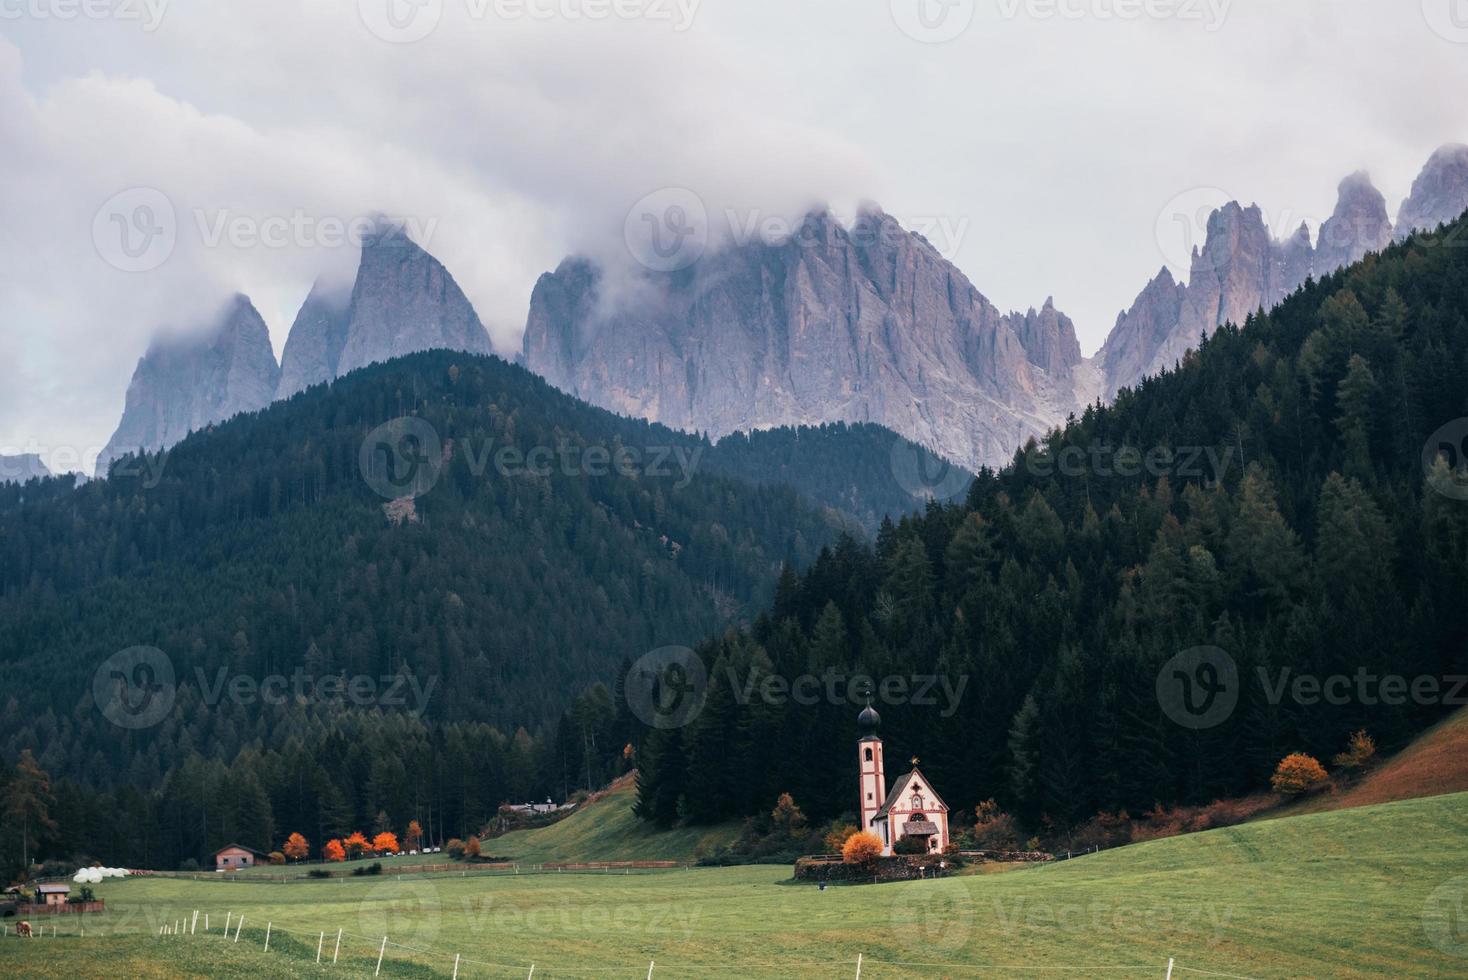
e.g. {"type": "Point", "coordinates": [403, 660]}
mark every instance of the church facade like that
{"type": "Point", "coordinates": [912, 808]}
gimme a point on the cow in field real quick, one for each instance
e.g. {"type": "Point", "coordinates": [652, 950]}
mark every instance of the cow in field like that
{"type": "Point", "coordinates": [24, 930]}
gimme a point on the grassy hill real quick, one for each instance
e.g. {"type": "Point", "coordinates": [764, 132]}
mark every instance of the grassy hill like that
{"type": "Point", "coordinates": [1354, 893]}
{"type": "Point", "coordinates": [605, 829]}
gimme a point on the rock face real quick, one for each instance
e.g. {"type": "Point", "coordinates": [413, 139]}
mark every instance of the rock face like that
{"type": "Point", "coordinates": [19, 469]}
{"type": "Point", "coordinates": [869, 324]}
{"type": "Point", "coordinates": [1358, 226]}
{"type": "Point", "coordinates": [1439, 194]}
{"type": "Point", "coordinates": [1241, 269]}
{"type": "Point", "coordinates": [187, 384]}
{"type": "Point", "coordinates": [403, 301]}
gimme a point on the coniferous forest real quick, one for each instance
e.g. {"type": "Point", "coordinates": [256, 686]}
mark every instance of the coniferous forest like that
{"type": "Point", "coordinates": [1270, 498]}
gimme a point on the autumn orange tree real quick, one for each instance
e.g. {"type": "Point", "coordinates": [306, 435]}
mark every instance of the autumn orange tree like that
{"type": "Point", "coordinates": [385, 843]}
{"type": "Point", "coordinates": [836, 838]}
{"type": "Point", "coordinates": [1297, 773]}
{"type": "Point", "coordinates": [414, 836]}
{"type": "Point", "coordinates": [1359, 751]}
{"type": "Point", "coordinates": [471, 847]}
{"type": "Point", "coordinates": [861, 848]}
{"type": "Point", "coordinates": [333, 851]}
{"type": "Point", "coordinates": [297, 848]}
{"type": "Point", "coordinates": [356, 845]}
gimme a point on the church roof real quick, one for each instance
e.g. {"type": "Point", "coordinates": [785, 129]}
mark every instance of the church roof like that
{"type": "Point", "coordinates": [900, 787]}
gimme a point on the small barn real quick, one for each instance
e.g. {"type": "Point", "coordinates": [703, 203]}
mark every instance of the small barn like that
{"type": "Point", "coordinates": [52, 893]}
{"type": "Point", "coordinates": [233, 856]}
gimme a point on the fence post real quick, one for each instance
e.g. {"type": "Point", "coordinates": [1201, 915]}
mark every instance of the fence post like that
{"type": "Point", "coordinates": [858, 966]}
{"type": "Point", "coordinates": [456, 966]}
{"type": "Point", "coordinates": [227, 917]}
{"type": "Point", "coordinates": [194, 926]}
{"type": "Point", "coordinates": [206, 921]}
{"type": "Point", "coordinates": [650, 965]}
{"type": "Point", "coordinates": [319, 943]}
{"type": "Point", "coordinates": [380, 952]}
{"type": "Point", "coordinates": [338, 947]}
{"type": "Point", "coordinates": [267, 936]}
{"type": "Point", "coordinates": [238, 927]}
{"type": "Point", "coordinates": [1169, 968]}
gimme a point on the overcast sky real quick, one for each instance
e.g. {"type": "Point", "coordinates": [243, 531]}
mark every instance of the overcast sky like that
{"type": "Point", "coordinates": [1046, 145]}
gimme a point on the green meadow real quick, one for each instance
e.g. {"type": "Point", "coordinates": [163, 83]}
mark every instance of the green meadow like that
{"type": "Point", "coordinates": [1368, 892]}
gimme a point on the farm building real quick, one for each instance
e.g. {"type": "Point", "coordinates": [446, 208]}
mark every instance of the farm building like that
{"type": "Point", "coordinates": [233, 856]}
{"type": "Point", "coordinates": [52, 893]}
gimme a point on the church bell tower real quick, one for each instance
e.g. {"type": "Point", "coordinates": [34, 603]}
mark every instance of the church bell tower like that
{"type": "Point", "coordinates": [869, 755]}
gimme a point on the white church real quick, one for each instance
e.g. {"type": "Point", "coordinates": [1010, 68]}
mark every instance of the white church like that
{"type": "Point", "coordinates": [912, 809]}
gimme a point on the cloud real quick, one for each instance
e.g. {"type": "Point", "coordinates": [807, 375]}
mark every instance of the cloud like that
{"type": "Point", "coordinates": [1051, 143]}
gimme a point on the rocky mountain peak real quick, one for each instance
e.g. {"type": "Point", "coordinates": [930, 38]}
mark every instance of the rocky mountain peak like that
{"type": "Point", "coordinates": [1359, 225]}
{"type": "Point", "coordinates": [23, 467]}
{"type": "Point", "coordinates": [186, 383]}
{"type": "Point", "coordinates": [1439, 194]}
{"type": "Point", "coordinates": [403, 301]}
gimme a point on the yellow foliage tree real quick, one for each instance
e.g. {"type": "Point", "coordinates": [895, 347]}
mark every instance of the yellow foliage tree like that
{"type": "Point", "coordinates": [1297, 773]}
{"type": "Point", "coordinates": [835, 841]}
{"type": "Point", "coordinates": [861, 848]}
{"type": "Point", "coordinates": [471, 847]}
{"type": "Point", "coordinates": [415, 835]}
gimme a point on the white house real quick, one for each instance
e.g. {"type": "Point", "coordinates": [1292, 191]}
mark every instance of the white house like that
{"type": "Point", "coordinates": [911, 809]}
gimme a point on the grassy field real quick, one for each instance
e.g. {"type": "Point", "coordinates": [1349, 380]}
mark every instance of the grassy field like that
{"type": "Point", "coordinates": [1354, 893]}
{"type": "Point", "coordinates": [607, 830]}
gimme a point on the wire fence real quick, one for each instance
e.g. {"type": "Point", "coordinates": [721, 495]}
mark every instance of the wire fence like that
{"type": "Point", "coordinates": [354, 951]}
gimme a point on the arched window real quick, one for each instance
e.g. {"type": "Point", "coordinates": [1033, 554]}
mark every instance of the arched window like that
{"type": "Point", "coordinates": [869, 755]}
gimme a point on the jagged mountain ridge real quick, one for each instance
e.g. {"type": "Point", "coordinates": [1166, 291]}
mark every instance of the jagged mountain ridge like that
{"type": "Point", "coordinates": [403, 301]}
{"type": "Point", "coordinates": [833, 324]}
{"type": "Point", "coordinates": [856, 326]}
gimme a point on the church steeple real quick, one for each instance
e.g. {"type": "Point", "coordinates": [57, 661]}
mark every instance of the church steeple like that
{"type": "Point", "coordinates": [873, 788]}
